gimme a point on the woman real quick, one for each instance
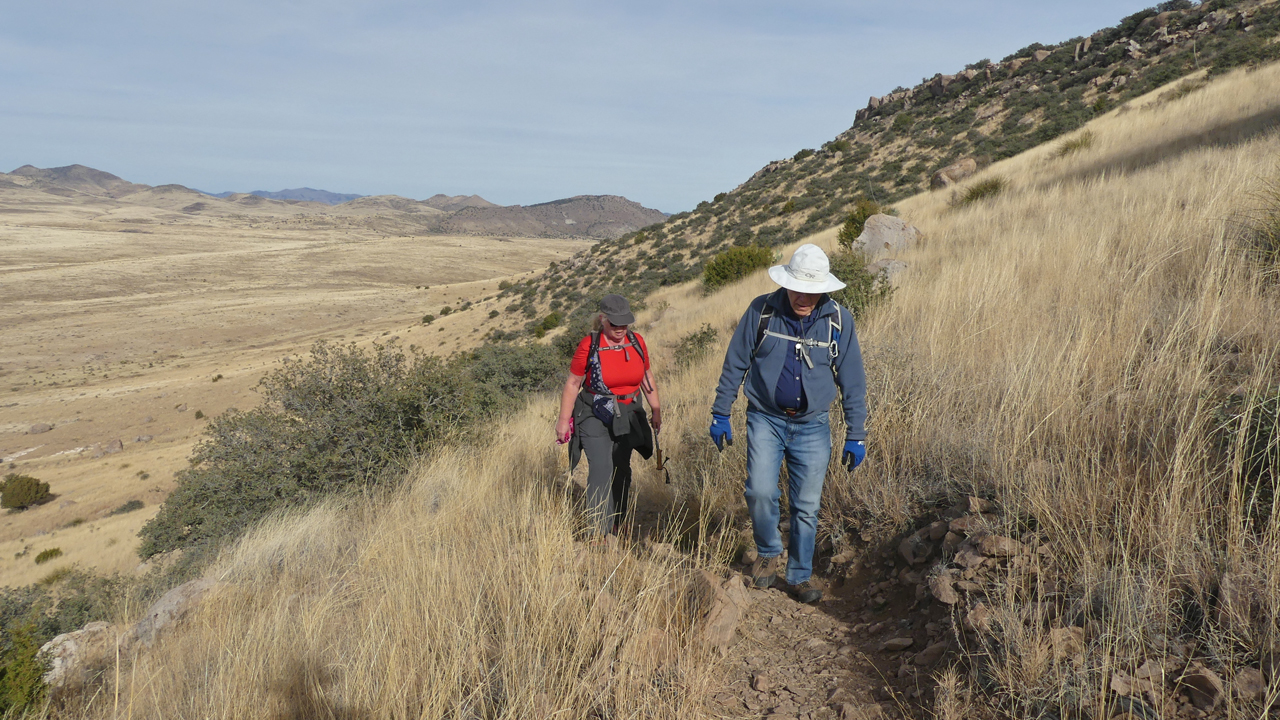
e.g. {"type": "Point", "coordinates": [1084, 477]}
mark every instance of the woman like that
{"type": "Point", "coordinates": [600, 412]}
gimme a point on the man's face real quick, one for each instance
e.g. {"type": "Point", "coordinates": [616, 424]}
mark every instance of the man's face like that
{"type": "Point", "coordinates": [803, 303]}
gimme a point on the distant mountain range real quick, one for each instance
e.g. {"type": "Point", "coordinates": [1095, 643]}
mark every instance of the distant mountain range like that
{"type": "Point", "coordinates": [101, 196]}
{"type": "Point", "coordinates": [305, 194]}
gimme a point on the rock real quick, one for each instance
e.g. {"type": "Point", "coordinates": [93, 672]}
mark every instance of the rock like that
{"type": "Point", "coordinates": [839, 696]}
{"type": "Point", "coordinates": [940, 586]}
{"type": "Point", "coordinates": [143, 439]}
{"type": "Point", "coordinates": [113, 447]}
{"type": "Point", "coordinates": [172, 608]}
{"type": "Point", "coordinates": [1067, 643]}
{"type": "Point", "coordinates": [930, 656]}
{"type": "Point", "coordinates": [1040, 55]}
{"type": "Point", "coordinates": [886, 236]}
{"type": "Point", "coordinates": [953, 173]}
{"type": "Point", "coordinates": [968, 557]}
{"type": "Point", "coordinates": [968, 74]}
{"type": "Point", "coordinates": [148, 419]}
{"type": "Point", "coordinates": [760, 682]}
{"type": "Point", "coordinates": [1121, 684]}
{"type": "Point", "coordinates": [978, 505]}
{"type": "Point", "coordinates": [999, 546]}
{"type": "Point", "coordinates": [1205, 685]}
{"type": "Point", "coordinates": [978, 619]}
{"type": "Point", "coordinates": [937, 530]}
{"type": "Point", "coordinates": [913, 549]}
{"type": "Point", "coordinates": [73, 656]}
{"type": "Point", "coordinates": [725, 601]}
{"type": "Point", "coordinates": [938, 86]}
{"type": "Point", "coordinates": [181, 408]}
{"type": "Point", "coordinates": [966, 524]}
{"type": "Point", "coordinates": [1248, 684]}
{"type": "Point", "coordinates": [896, 644]}
{"type": "Point", "coordinates": [66, 504]}
{"type": "Point", "coordinates": [39, 428]}
{"type": "Point", "coordinates": [1150, 670]}
{"type": "Point", "coordinates": [892, 269]}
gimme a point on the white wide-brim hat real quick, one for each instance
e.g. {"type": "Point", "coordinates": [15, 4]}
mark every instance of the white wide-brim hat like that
{"type": "Point", "coordinates": [808, 272]}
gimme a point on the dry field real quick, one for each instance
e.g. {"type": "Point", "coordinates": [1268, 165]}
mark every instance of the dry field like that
{"type": "Point", "coordinates": [117, 330]}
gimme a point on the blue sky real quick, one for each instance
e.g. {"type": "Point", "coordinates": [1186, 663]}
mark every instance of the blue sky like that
{"type": "Point", "coordinates": [664, 102]}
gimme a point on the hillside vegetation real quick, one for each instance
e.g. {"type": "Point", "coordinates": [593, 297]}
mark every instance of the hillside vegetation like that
{"type": "Point", "coordinates": [982, 113]}
{"type": "Point", "coordinates": [1091, 349]}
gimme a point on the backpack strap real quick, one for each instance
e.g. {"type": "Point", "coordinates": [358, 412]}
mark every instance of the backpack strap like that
{"type": "Point", "coordinates": [595, 347]}
{"type": "Point", "coordinates": [766, 315]}
{"type": "Point", "coordinates": [631, 338]}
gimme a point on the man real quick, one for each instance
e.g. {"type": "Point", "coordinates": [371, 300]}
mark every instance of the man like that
{"type": "Point", "coordinates": [795, 347]}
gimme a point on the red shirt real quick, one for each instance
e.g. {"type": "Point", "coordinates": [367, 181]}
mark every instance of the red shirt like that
{"type": "Point", "coordinates": [623, 370]}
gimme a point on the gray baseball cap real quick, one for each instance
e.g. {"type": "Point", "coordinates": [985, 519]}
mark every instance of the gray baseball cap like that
{"type": "Point", "coordinates": [616, 309]}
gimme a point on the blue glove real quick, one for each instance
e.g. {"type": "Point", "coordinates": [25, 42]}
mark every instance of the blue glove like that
{"type": "Point", "coordinates": [855, 451]}
{"type": "Point", "coordinates": [721, 430]}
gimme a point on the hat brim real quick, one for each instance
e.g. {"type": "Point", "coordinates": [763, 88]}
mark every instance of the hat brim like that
{"type": "Point", "coordinates": [623, 319]}
{"type": "Point", "coordinates": [779, 274]}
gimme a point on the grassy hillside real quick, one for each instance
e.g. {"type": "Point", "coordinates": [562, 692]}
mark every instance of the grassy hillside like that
{"type": "Point", "coordinates": [984, 112]}
{"type": "Point", "coordinates": [1093, 349]}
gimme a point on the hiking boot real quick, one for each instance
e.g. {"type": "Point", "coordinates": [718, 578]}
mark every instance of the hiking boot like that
{"type": "Point", "coordinates": [807, 592]}
{"type": "Point", "coordinates": [764, 570]}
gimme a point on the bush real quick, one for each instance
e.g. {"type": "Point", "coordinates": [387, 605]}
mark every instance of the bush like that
{"type": "Point", "coordinates": [504, 285]}
{"type": "Point", "coordinates": [47, 555]}
{"type": "Point", "coordinates": [789, 206]}
{"type": "Point", "coordinates": [735, 264]}
{"type": "Point", "coordinates": [493, 314]}
{"type": "Point", "coordinates": [337, 421]}
{"type": "Point", "coordinates": [694, 346]}
{"type": "Point", "coordinates": [805, 153]}
{"type": "Point", "coordinates": [128, 507]}
{"type": "Point", "coordinates": [862, 290]}
{"type": "Point", "coordinates": [446, 310]}
{"type": "Point", "coordinates": [982, 190]}
{"type": "Point", "coordinates": [217, 377]}
{"type": "Point", "coordinates": [1251, 430]}
{"type": "Point", "coordinates": [21, 674]}
{"type": "Point", "coordinates": [428, 319]}
{"type": "Point", "coordinates": [199, 414]}
{"type": "Point", "coordinates": [903, 122]}
{"type": "Point", "coordinates": [856, 220]}
{"type": "Point", "coordinates": [22, 491]}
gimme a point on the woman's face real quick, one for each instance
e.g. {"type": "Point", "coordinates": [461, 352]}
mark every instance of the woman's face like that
{"type": "Point", "coordinates": [615, 333]}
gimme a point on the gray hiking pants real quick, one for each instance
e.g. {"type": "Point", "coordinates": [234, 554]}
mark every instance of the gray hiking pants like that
{"type": "Point", "coordinates": [608, 472]}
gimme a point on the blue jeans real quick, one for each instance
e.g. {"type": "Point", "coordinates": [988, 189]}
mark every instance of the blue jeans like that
{"type": "Point", "coordinates": [807, 449]}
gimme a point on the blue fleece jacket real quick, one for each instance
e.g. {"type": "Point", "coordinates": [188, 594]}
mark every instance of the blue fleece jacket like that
{"type": "Point", "coordinates": [761, 372]}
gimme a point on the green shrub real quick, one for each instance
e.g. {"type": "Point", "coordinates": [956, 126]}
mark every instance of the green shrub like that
{"type": "Point", "coordinates": [805, 153]}
{"type": "Point", "coordinates": [1250, 430]}
{"type": "Point", "coordinates": [856, 220]}
{"type": "Point", "coordinates": [982, 190]}
{"type": "Point", "coordinates": [694, 346]}
{"type": "Point", "coordinates": [21, 673]}
{"type": "Point", "coordinates": [505, 284]}
{"type": "Point", "coordinates": [217, 377]}
{"type": "Point", "coordinates": [446, 310]}
{"type": "Point", "coordinates": [47, 555]}
{"type": "Point", "coordinates": [128, 507]}
{"type": "Point", "coordinates": [788, 207]}
{"type": "Point", "coordinates": [903, 122]}
{"type": "Point", "coordinates": [336, 421]}
{"type": "Point", "coordinates": [493, 314]}
{"type": "Point", "coordinates": [735, 264]}
{"type": "Point", "coordinates": [199, 414]}
{"type": "Point", "coordinates": [428, 319]}
{"type": "Point", "coordinates": [22, 491]}
{"type": "Point", "coordinates": [862, 290]}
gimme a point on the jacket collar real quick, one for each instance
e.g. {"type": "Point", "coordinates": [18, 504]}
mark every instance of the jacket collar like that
{"type": "Point", "coordinates": [778, 300]}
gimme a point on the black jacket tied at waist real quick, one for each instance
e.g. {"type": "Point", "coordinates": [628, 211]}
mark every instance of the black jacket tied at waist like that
{"type": "Point", "coordinates": [630, 424]}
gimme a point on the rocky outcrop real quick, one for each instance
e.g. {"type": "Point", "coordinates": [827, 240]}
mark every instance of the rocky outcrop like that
{"type": "Point", "coordinates": [172, 607]}
{"type": "Point", "coordinates": [74, 658]}
{"type": "Point", "coordinates": [723, 604]}
{"type": "Point", "coordinates": [953, 173]}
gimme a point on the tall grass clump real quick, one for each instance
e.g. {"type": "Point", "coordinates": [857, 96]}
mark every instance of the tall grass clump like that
{"type": "Point", "coordinates": [1080, 141]}
{"type": "Point", "coordinates": [981, 190]}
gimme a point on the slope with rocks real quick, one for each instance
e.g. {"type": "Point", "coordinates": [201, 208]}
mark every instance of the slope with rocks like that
{"type": "Point", "coordinates": [937, 132]}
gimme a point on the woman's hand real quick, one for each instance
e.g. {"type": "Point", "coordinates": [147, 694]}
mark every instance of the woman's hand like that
{"type": "Point", "coordinates": [563, 429]}
{"type": "Point", "coordinates": [655, 419]}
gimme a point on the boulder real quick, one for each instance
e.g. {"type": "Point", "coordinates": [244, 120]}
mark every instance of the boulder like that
{"type": "Point", "coordinates": [940, 586]}
{"type": "Point", "coordinates": [73, 657]}
{"type": "Point", "coordinates": [953, 173]}
{"type": "Point", "coordinates": [999, 546]}
{"type": "Point", "coordinates": [171, 608]}
{"type": "Point", "coordinates": [892, 269]}
{"type": "Point", "coordinates": [39, 428]}
{"type": "Point", "coordinates": [1016, 63]}
{"type": "Point", "coordinates": [897, 644]}
{"type": "Point", "coordinates": [930, 656]}
{"type": "Point", "coordinates": [1040, 55]}
{"type": "Point", "coordinates": [886, 236]}
{"type": "Point", "coordinates": [113, 447]}
{"type": "Point", "coordinates": [1248, 684]}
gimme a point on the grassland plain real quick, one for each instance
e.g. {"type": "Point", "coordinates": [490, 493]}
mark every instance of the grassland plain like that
{"type": "Point", "coordinates": [1081, 349]}
{"type": "Point", "coordinates": [124, 332]}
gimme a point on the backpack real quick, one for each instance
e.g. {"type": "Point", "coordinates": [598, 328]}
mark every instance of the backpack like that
{"type": "Point", "coordinates": [631, 342]}
{"type": "Point", "coordinates": [832, 344]}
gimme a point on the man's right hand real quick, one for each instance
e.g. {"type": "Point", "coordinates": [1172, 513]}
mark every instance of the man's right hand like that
{"type": "Point", "coordinates": [721, 430]}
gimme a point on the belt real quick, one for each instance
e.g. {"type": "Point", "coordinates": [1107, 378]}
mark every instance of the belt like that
{"type": "Point", "coordinates": [790, 412]}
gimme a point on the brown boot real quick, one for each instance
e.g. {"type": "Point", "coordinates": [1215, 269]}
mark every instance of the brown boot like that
{"type": "Point", "coordinates": [807, 592]}
{"type": "Point", "coordinates": [764, 570]}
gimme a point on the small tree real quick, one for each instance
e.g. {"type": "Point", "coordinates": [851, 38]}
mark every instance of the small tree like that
{"type": "Point", "coordinates": [22, 491]}
{"type": "Point", "coordinates": [862, 289]}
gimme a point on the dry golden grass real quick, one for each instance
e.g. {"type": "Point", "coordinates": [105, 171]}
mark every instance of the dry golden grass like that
{"type": "Point", "coordinates": [1061, 347]}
